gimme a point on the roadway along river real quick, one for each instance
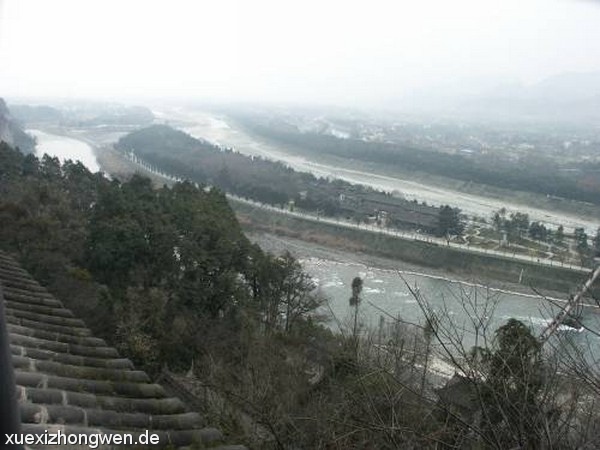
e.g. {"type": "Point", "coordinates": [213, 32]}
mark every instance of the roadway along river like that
{"type": "Point", "coordinates": [216, 129]}
{"type": "Point", "coordinates": [364, 227]}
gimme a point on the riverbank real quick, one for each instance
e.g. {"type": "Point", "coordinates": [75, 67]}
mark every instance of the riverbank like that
{"type": "Point", "coordinates": [389, 288]}
{"type": "Point", "coordinates": [303, 250]}
{"type": "Point", "coordinates": [439, 260]}
{"type": "Point", "coordinates": [446, 260]}
{"type": "Point", "coordinates": [473, 200]}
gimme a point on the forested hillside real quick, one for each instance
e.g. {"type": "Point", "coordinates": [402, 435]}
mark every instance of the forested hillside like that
{"type": "Point", "coordinates": [167, 276]}
{"type": "Point", "coordinates": [134, 261]}
{"type": "Point", "coordinates": [12, 133]}
{"type": "Point", "coordinates": [270, 182]}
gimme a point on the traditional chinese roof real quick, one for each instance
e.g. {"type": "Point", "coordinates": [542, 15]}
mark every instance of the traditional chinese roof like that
{"type": "Point", "coordinates": [69, 380]}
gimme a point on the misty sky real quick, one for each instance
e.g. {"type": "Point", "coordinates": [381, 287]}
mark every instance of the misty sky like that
{"type": "Point", "coordinates": [337, 51]}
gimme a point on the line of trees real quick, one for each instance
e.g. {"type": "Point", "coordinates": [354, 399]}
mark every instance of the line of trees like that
{"type": "Point", "coordinates": [517, 225]}
{"type": "Point", "coordinates": [269, 181]}
{"type": "Point", "coordinates": [533, 174]}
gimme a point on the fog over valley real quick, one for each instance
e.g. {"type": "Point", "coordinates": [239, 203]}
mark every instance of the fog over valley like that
{"type": "Point", "coordinates": [333, 52]}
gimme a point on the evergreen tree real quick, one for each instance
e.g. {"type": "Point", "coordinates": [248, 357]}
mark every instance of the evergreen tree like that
{"type": "Point", "coordinates": [450, 222]}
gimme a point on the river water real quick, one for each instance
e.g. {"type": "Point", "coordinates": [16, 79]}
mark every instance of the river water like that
{"type": "Point", "coordinates": [219, 131]}
{"type": "Point", "coordinates": [389, 289]}
{"type": "Point", "coordinates": [388, 284]}
{"type": "Point", "coordinates": [64, 148]}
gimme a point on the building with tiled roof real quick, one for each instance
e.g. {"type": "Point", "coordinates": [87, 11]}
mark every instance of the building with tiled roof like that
{"type": "Point", "coordinates": [66, 379]}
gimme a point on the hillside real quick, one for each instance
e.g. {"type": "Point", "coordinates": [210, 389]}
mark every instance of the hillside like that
{"type": "Point", "coordinates": [12, 133]}
{"type": "Point", "coordinates": [90, 240]}
{"type": "Point", "coordinates": [164, 276]}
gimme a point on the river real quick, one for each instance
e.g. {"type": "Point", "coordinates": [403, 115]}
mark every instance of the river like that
{"type": "Point", "coordinates": [386, 282]}
{"type": "Point", "coordinates": [220, 131]}
{"type": "Point", "coordinates": [64, 148]}
{"type": "Point", "coordinates": [387, 286]}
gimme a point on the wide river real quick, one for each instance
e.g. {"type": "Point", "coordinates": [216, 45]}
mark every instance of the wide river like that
{"type": "Point", "coordinates": [64, 148]}
{"type": "Point", "coordinates": [389, 289]}
{"type": "Point", "coordinates": [387, 284]}
{"type": "Point", "coordinates": [219, 130]}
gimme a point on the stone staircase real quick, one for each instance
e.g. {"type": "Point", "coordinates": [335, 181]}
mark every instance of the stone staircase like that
{"type": "Point", "coordinates": [69, 380]}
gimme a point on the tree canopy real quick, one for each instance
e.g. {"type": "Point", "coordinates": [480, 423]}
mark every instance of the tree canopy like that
{"type": "Point", "coordinates": [126, 245]}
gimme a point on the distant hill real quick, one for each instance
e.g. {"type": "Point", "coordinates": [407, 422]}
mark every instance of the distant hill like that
{"type": "Point", "coordinates": [571, 98]}
{"type": "Point", "coordinates": [566, 87]}
{"type": "Point", "coordinates": [12, 133]}
{"type": "Point", "coordinates": [35, 114]}
{"type": "Point", "coordinates": [84, 114]}
{"type": "Point", "coordinates": [102, 114]}
{"type": "Point", "coordinates": [567, 97]}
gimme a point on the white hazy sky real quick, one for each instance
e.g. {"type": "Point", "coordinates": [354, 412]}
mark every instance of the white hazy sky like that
{"type": "Point", "coordinates": [337, 51]}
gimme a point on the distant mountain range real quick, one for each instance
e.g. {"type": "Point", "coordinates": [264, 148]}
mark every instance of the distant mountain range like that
{"type": "Point", "coordinates": [82, 113]}
{"type": "Point", "coordinates": [12, 133]}
{"type": "Point", "coordinates": [35, 114]}
{"type": "Point", "coordinates": [568, 97]}
{"type": "Point", "coordinates": [566, 87]}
